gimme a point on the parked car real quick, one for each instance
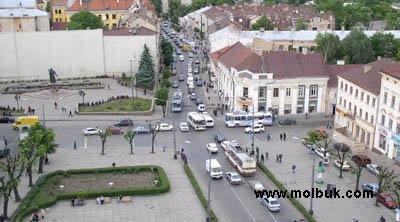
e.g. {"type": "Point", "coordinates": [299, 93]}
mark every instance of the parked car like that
{"type": "Point", "coordinates": [184, 127]}
{"type": "Point", "coordinates": [320, 152]}
{"type": "Point", "coordinates": [197, 62]}
{"type": "Point", "coordinates": [271, 203]}
{"type": "Point", "coordinates": [164, 127]}
{"type": "Point", "coordinates": [181, 78]}
{"type": "Point", "coordinates": [233, 178]}
{"type": "Point", "coordinates": [225, 144]}
{"type": "Point", "coordinates": [115, 130]}
{"type": "Point", "coordinates": [219, 138]}
{"type": "Point", "coordinates": [91, 131]}
{"type": "Point", "coordinates": [193, 96]}
{"type": "Point", "coordinates": [371, 187]}
{"type": "Point", "coordinates": [198, 101]}
{"type": "Point", "coordinates": [7, 119]}
{"type": "Point", "coordinates": [373, 168]}
{"type": "Point", "coordinates": [287, 121]}
{"type": "Point", "coordinates": [212, 147]}
{"type": "Point", "coordinates": [259, 128]}
{"type": "Point", "coordinates": [345, 166]}
{"type": "Point", "coordinates": [199, 82]}
{"type": "Point", "coordinates": [124, 122]}
{"type": "Point", "coordinates": [179, 52]}
{"type": "Point", "coordinates": [256, 185]}
{"type": "Point", "coordinates": [141, 129]}
{"type": "Point", "coordinates": [190, 55]}
{"type": "Point", "coordinates": [386, 200]}
{"type": "Point", "coordinates": [181, 58]}
{"type": "Point", "coordinates": [361, 158]}
{"type": "Point", "coordinates": [196, 71]}
{"type": "Point", "coordinates": [175, 84]}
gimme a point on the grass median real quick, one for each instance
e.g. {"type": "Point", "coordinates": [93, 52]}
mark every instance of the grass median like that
{"type": "Point", "coordinates": [198, 191]}
{"type": "Point", "coordinates": [121, 105]}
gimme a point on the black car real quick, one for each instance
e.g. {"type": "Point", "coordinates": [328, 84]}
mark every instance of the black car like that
{"type": "Point", "coordinates": [6, 119]}
{"type": "Point", "coordinates": [198, 101]}
{"type": "Point", "coordinates": [175, 84]}
{"type": "Point", "coordinates": [181, 78]}
{"type": "Point", "coordinates": [219, 138]}
{"type": "Point", "coordinates": [124, 122]}
{"type": "Point", "coordinates": [199, 83]}
{"type": "Point", "coordinates": [287, 121]}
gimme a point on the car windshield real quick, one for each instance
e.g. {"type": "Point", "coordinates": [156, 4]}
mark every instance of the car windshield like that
{"type": "Point", "coordinates": [274, 202]}
{"type": "Point", "coordinates": [235, 176]}
{"type": "Point", "coordinates": [388, 199]}
{"type": "Point", "coordinates": [217, 170]}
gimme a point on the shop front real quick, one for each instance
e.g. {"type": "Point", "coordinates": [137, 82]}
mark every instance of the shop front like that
{"type": "Point", "coordinates": [396, 146]}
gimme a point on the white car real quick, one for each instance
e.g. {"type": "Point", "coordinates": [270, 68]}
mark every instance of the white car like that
{"type": "Point", "coordinates": [233, 178]}
{"type": "Point", "coordinates": [320, 152]}
{"type": "Point", "coordinates": [181, 58]}
{"type": "Point", "coordinates": [257, 129]}
{"type": "Point", "coordinates": [256, 185]}
{"type": "Point", "coordinates": [212, 147]}
{"type": "Point", "coordinates": [225, 144]}
{"type": "Point", "coordinates": [373, 168]}
{"type": "Point", "coordinates": [345, 166]}
{"type": "Point", "coordinates": [91, 131]}
{"type": "Point", "coordinates": [184, 127]}
{"type": "Point", "coordinates": [164, 127]}
{"type": "Point", "coordinates": [271, 203]}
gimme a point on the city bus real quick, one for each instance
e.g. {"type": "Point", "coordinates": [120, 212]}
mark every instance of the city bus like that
{"type": "Point", "coordinates": [237, 119]}
{"type": "Point", "coordinates": [196, 121]}
{"type": "Point", "coordinates": [177, 102]}
{"type": "Point", "coordinates": [239, 159]}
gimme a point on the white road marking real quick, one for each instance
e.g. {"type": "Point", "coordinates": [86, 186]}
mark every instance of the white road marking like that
{"type": "Point", "coordinates": [244, 206]}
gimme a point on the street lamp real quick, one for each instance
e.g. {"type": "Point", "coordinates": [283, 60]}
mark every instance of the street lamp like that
{"type": "Point", "coordinates": [17, 97]}
{"type": "Point", "coordinates": [311, 211]}
{"type": "Point", "coordinates": [82, 93]}
{"type": "Point", "coordinates": [131, 60]}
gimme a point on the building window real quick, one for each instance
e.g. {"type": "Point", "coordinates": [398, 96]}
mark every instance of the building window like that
{"type": "Point", "coordinates": [107, 17]}
{"type": "Point", "coordinates": [59, 11]}
{"type": "Point", "coordinates": [383, 120]}
{"type": "Point", "coordinates": [114, 25]}
{"type": "Point", "coordinates": [398, 129]}
{"type": "Point", "coordinates": [356, 93]}
{"type": "Point", "coordinates": [261, 92]}
{"type": "Point", "coordinates": [368, 99]}
{"type": "Point", "coordinates": [366, 116]}
{"type": "Point", "coordinates": [373, 102]}
{"type": "Point", "coordinates": [345, 103]}
{"type": "Point", "coordinates": [300, 109]}
{"type": "Point", "coordinates": [390, 126]}
{"type": "Point", "coordinates": [385, 98]}
{"type": "Point", "coordinates": [280, 48]}
{"type": "Point", "coordinates": [99, 16]}
{"type": "Point", "coordinates": [351, 90]}
{"type": "Point", "coordinates": [56, 12]}
{"type": "Point", "coordinates": [362, 96]}
{"type": "Point", "coordinates": [372, 119]}
{"type": "Point", "coordinates": [382, 142]}
{"type": "Point", "coordinates": [245, 92]}
{"type": "Point", "coordinates": [301, 91]}
{"type": "Point", "coordinates": [114, 16]}
{"type": "Point", "coordinates": [361, 112]}
{"type": "Point", "coordinates": [288, 108]}
{"type": "Point", "coordinates": [350, 106]}
{"type": "Point", "coordinates": [288, 91]}
{"type": "Point", "coordinates": [393, 101]}
{"type": "Point", "coordinates": [340, 100]}
{"type": "Point", "coordinates": [313, 90]}
{"type": "Point", "coordinates": [341, 85]}
{"type": "Point", "coordinates": [345, 87]}
{"type": "Point", "coordinates": [276, 92]}
{"type": "Point", "coordinates": [245, 108]}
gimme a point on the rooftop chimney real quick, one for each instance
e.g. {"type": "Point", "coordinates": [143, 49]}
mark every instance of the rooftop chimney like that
{"type": "Point", "coordinates": [367, 68]}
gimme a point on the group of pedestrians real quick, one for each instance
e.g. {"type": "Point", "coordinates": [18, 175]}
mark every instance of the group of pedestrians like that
{"type": "Point", "coordinates": [279, 158]}
{"type": "Point", "coordinates": [282, 136]}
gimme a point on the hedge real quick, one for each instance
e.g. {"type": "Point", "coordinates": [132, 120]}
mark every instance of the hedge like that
{"type": "Point", "coordinates": [280, 186]}
{"type": "Point", "coordinates": [199, 193]}
{"type": "Point", "coordinates": [39, 197]}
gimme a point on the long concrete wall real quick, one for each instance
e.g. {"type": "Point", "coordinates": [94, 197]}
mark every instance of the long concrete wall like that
{"type": "Point", "coordinates": [28, 55]}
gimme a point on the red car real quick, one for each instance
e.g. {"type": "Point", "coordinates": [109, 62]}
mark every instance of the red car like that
{"type": "Point", "coordinates": [387, 200]}
{"type": "Point", "coordinates": [115, 130]}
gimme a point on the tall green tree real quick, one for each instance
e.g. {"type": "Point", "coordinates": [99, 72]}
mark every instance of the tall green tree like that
{"type": "Point", "coordinates": [145, 75]}
{"type": "Point", "coordinates": [393, 20]}
{"type": "Point", "coordinates": [385, 179]}
{"type": "Point", "coordinates": [336, 6]}
{"type": "Point", "coordinates": [358, 48]}
{"type": "Point", "coordinates": [342, 152]}
{"type": "Point", "coordinates": [129, 136]}
{"type": "Point", "coordinates": [263, 22]}
{"type": "Point", "coordinates": [384, 45]}
{"type": "Point", "coordinates": [161, 98]}
{"type": "Point", "coordinates": [357, 171]}
{"type": "Point", "coordinates": [356, 14]}
{"type": "Point", "coordinates": [103, 138]}
{"type": "Point", "coordinates": [301, 24]}
{"type": "Point", "coordinates": [329, 46]}
{"type": "Point", "coordinates": [47, 139]}
{"type": "Point", "coordinates": [158, 6]}
{"type": "Point", "coordinates": [85, 19]}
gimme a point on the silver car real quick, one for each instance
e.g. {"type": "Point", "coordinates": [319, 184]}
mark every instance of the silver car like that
{"type": "Point", "coordinates": [233, 178]}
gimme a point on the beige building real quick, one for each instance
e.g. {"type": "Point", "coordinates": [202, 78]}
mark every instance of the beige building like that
{"type": "Point", "coordinates": [387, 131]}
{"type": "Point", "coordinates": [22, 16]}
{"type": "Point", "coordinates": [139, 18]}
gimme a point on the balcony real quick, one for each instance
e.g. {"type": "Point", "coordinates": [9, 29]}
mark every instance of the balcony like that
{"type": "Point", "coordinates": [351, 115]}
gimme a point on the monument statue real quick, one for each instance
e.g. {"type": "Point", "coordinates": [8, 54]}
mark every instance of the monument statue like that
{"type": "Point", "coordinates": [53, 75]}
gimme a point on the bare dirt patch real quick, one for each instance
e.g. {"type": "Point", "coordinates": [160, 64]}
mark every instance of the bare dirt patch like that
{"type": "Point", "coordinates": [85, 182]}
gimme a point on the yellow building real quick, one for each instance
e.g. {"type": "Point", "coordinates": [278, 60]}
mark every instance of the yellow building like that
{"type": "Point", "coordinates": [58, 8]}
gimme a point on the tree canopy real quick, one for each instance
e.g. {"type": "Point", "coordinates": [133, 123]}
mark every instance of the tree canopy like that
{"type": "Point", "coordinates": [263, 22]}
{"type": "Point", "coordinates": [329, 46]}
{"type": "Point", "coordinates": [158, 6]}
{"type": "Point", "coordinates": [357, 48]}
{"type": "Point", "coordinates": [145, 76]}
{"type": "Point", "coordinates": [85, 19]}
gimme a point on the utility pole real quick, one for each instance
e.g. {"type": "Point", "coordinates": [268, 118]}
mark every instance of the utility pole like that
{"type": "Point", "coordinates": [173, 125]}
{"type": "Point", "coordinates": [131, 60]}
{"type": "Point", "coordinates": [311, 211]}
{"type": "Point", "coordinates": [208, 219]}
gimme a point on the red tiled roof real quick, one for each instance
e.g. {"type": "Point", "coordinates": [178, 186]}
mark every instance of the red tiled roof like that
{"type": "Point", "coordinates": [214, 13]}
{"type": "Point", "coordinates": [368, 76]}
{"type": "Point", "coordinates": [60, 25]}
{"type": "Point", "coordinates": [147, 4]}
{"type": "Point", "coordinates": [39, 2]}
{"type": "Point", "coordinates": [233, 55]}
{"type": "Point", "coordinates": [59, 2]}
{"type": "Point", "coordinates": [393, 70]}
{"type": "Point", "coordinates": [126, 31]}
{"type": "Point", "coordinates": [100, 5]}
{"type": "Point", "coordinates": [334, 70]}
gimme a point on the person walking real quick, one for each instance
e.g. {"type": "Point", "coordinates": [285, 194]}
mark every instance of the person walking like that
{"type": "Point", "coordinates": [268, 136]}
{"type": "Point", "coordinates": [55, 105]}
{"type": "Point", "coordinates": [284, 136]}
{"type": "Point", "coordinates": [277, 158]}
{"type": "Point", "coordinates": [262, 158]}
{"type": "Point", "coordinates": [75, 145]}
{"type": "Point", "coordinates": [266, 155]}
{"type": "Point", "coordinates": [70, 113]}
{"type": "Point", "coordinates": [33, 111]}
{"type": "Point", "coordinates": [280, 158]}
{"type": "Point", "coordinates": [5, 141]}
{"type": "Point", "coordinates": [280, 136]}
{"type": "Point", "coordinates": [294, 168]}
{"type": "Point", "coordinates": [382, 219]}
{"type": "Point", "coordinates": [108, 85]}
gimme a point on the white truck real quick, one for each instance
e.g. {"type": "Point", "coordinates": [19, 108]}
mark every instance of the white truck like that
{"type": "Point", "coordinates": [214, 169]}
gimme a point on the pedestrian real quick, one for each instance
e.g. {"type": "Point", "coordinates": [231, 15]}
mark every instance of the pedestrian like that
{"type": "Point", "coordinates": [70, 113]}
{"type": "Point", "coordinates": [277, 158]}
{"type": "Point", "coordinates": [209, 97]}
{"type": "Point", "coordinates": [73, 202]}
{"type": "Point", "coordinates": [294, 169]}
{"type": "Point", "coordinates": [55, 105]}
{"type": "Point", "coordinates": [268, 136]}
{"type": "Point", "coordinates": [108, 85]}
{"type": "Point", "coordinates": [5, 141]}
{"type": "Point", "coordinates": [159, 80]}
{"type": "Point", "coordinates": [1, 218]}
{"type": "Point", "coordinates": [33, 111]}
{"type": "Point", "coordinates": [247, 150]}
{"type": "Point", "coordinates": [306, 115]}
{"type": "Point", "coordinates": [266, 155]}
{"type": "Point", "coordinates": [262, 158]}
{"type": "Point", "coordinates": [327, 125]}
{"type": "Point", "coordinates": [280, 158]}
{"type": "Point", "coordinates": [113, 76]}
{"type": "Point", "coordinates": [75, 145]}
{"type": "Point", "coordinates": [280, 136]}
{"type": "Point", "coordinates": [284, 136]}
{"type": "Point", "coordinates": [42, 213]}
{"type": "Point", "coordinates": [29, 110]}
{"type": "Point", "coordinates": [144, 91]}
{"type": "Point", "coordinates": [382, 219]}
{"type": "Point", "coordinates": [113, 164]}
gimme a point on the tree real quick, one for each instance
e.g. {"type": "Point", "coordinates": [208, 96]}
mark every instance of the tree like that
{"type": "Point", "coordinates": [161, 98]}
{"type": "Point", "coordinates": [85, 19]}
{"type": "Point", "coordinates": [384, 45]}
{"type": "Point", "coordinates": [342, 151]}
{"type": "Point", "coordinates": [336, 6]}
{"type": "Point", "coordinates": [153, 131]}
{"type": "Point", "coordinates": [385, 178]}
{"type": "Point", "coordinates": [13, 167]}
{"type": "Point", "coordinates": [158, 6]}
{"type": "Point", "coordinates": [329, 46]}
{"type": "Point", "coordinates": [263, 22]}
{"type": "Point", "coordinates": [358, 48]}
{"type": "Point", "coordinates": [145, 76]}
{"type": "Point", "coordinates": [47, 139]}
{"type": "Point", "coordinates": [129, 136]}
{"type": "Point", "coordinates": [103, 137]}
{"type": "Point", "coordinates": [393, 21]}
{"type": "Point", "coordinates": [48, 7]}
{"type": "Point", "coordinates": [357, 171]}
{"type": "Point", "coordinates": [319, 138]}
{"type": "Point", "coordinates": [395, 189]}
{"type": "Point", "coordinates": [301, 24]}
{"type": "Point", "coordinates": [356, 14]}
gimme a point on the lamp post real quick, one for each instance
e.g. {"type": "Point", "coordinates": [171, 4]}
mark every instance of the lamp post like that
{"type": "Point", "coordinates": [252, 130]}
{"type": "Point", "coordinates": [311, 211]}
{"type": "Point", "coordinates": [17, 97]}
{"type": "Point", "coordinates": [131, 60]}
{"type": "Point", "coordinates": [82, 93]}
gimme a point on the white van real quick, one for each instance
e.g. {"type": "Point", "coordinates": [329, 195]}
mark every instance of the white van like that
{"type": "Point", "coordinates": [201, 107]}
{"type": "Point", "coordinates": [190, 80]}
{"type": "Point", "coordinates": [181, 58]}
{"type": "Point", "coordinates": [209, 121]}
{"type": "Point", "coordinates": [214, 169]}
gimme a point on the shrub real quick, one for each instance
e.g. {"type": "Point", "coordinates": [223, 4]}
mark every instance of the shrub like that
{"type": "Point", "coordinates": [165, 83]}
{"type": "Point", "coordinates": [167, 73]}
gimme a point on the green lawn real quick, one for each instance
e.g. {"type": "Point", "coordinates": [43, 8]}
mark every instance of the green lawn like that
{"type": "Point", "coordinates": [122, 105]}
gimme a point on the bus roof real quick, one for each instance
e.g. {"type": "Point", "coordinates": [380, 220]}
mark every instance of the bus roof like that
{"type": "Point", "coordinates": [196, 116]}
